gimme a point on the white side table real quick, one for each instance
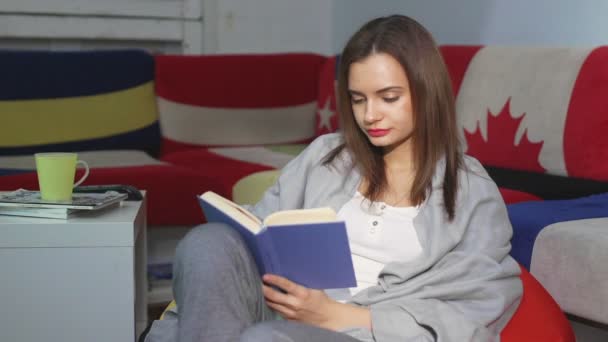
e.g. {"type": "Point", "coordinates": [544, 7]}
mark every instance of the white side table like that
{"type": "Point", "coordinates": [82, 279]}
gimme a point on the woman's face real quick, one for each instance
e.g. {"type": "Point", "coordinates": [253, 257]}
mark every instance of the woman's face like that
{"type": "Point", "coordinates": [381, 100]}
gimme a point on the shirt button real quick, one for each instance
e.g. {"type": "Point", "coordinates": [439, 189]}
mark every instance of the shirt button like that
{"type": "Point", "coordinates": [383, 207]}
{"type": "Point", "coordinates": [374, 225]}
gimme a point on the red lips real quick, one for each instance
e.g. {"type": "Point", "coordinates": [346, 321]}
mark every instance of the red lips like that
{"type": "Point", "coordinates": [377, 132]}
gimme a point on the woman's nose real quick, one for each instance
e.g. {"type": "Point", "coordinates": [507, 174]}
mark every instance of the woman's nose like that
{"type": "Point", "coordinates": [371, 112]}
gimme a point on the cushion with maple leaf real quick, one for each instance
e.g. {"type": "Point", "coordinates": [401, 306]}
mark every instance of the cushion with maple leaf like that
{"type": "Point", "coordinates": [536, 109]}
{"type": "Point", "coordinates": [326, 119]}
{"type": "Point", "coordinates": [457, 59]}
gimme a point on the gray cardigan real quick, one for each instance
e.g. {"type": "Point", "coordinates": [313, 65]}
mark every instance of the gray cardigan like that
{"type": "Point", "coordinates": [463, 287]}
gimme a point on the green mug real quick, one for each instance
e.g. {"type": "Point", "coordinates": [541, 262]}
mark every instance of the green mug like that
{"type": "Point", "coordinates": [56, 173]}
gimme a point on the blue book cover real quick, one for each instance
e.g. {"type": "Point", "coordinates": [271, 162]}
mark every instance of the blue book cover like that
{"type": "Point", "coordinates": [308, 246]}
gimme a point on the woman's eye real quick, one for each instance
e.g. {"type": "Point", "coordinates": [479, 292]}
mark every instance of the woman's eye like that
{"type": "Point", "coordinates": [355, 100]}
{"type": "Point", "coordinates": [391, 99]}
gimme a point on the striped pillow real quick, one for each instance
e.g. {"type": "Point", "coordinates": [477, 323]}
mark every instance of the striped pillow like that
{"type": "Point", "coordinates": [236, 100]}
{"type": "Point", "coordinates": [77, 101]}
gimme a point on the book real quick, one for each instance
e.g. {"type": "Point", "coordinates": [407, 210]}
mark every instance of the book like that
{"type": "Point", "coordinates": [80, 201]}
{"type": "Point", "coordinates": [54, 213]}
{"type": "Point", "coordinates": [160, 271]}
{"type": "Point", "coordinates": [307, 246]}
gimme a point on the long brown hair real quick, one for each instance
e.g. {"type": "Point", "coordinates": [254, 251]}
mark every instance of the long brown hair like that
{"type": "Point", "coordinates": [435, 134]}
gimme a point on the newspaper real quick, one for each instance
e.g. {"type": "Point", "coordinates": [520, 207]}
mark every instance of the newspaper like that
{"type": "Point", "coordinates": [82, 201]}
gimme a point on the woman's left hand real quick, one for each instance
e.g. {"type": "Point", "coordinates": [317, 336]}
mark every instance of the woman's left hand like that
{"type": "Point", "coordinates": [299, 303]}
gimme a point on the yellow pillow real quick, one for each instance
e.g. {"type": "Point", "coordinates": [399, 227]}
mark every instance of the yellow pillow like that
{"type": "Point", "coordinates": [249, 189]}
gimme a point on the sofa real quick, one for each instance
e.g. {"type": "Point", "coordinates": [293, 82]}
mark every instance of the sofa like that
{"type": "Point", "coordinates": [177, 126]}
{"type": "Point", "coordinates": [161, 123]}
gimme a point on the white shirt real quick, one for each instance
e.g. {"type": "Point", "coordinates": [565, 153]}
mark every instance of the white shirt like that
{"type": "Point", "coordinates": [378, 234]}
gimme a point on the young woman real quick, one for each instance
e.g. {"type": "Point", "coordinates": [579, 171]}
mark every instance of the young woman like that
{"type": "Point", "coordinates": [428, 229]}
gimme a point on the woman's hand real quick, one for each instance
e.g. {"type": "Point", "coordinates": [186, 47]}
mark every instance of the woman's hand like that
{"type": "Point", "coordinates": [311, 306]}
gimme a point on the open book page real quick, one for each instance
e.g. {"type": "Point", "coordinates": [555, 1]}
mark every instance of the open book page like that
{"type": "Point", "coordinates": [238, 213]}
{"type": "Point", "coordinates": [314, 215]}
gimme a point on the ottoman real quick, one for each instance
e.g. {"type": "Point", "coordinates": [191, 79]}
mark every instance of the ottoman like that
{"type": "Point", "coordinates": [570, 259]}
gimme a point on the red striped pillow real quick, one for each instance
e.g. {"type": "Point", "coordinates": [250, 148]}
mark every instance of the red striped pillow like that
{"type": "Point", "coordinates": [237, 100]}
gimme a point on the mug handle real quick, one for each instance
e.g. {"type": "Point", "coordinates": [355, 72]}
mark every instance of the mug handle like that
{"type": "Point", "coordinates": [86, 172]}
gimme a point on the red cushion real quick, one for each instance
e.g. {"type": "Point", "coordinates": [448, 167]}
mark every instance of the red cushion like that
{"type": "Point", "coordinates": [202, 91]}
{"type": "Point", "coordinates": [515, 196]}
{"type": "Point", "coordinates": [538, 317]}
{"type": "Point", "coordinates": [224, 170]}
{"type": "Point", "coordinates": [171, 190]}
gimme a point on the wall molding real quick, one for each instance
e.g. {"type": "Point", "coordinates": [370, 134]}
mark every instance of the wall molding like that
{"type": "Point", "coordinates": [149, 9]}
{"type": "Point", "coordinates": [173, 21]}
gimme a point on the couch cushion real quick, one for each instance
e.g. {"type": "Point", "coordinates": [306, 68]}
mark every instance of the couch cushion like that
{"type": "Point", "coordinates": [457, 59]}
{"type": "Point", "coordinates": [537, 109]}
{"type": "Point", "coordinates": [172, 190]}
{"type": "Point", "coordinates": [228, 165]}
{"type": "Point", "coordinates": [95, 159]}
{"type": "Point", "coordinates": [75, 101]}
{"type": "Point", "coordinates": [250, 189]}
{"type": "Point", "coordinates": [235, 100]}
{"type": "Point", "coordinates": [515, 196]}
{"type": "Point", "coordinates": [570, 259]}
{"type": "Point", "coordinates": [530, 218]}
{"type": "Point", "coordinates": [546, 186]}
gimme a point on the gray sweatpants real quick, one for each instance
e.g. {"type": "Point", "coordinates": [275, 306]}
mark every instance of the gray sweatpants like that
{"type": "Point", "coordinates": [219, 296]}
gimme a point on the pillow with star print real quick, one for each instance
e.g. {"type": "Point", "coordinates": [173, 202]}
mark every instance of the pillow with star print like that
{"type": "Point", "coordinates": [326, 114]}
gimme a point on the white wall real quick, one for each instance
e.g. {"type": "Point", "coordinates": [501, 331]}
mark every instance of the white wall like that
{"type": "Point", "coordinates": [512, 22]}
{"type": "Point", "coordinates": [226, 26]}
{"type": "Point", "coordinates": [160, 25]}
{"type": "Point", "coordinates": [274, 26]}
{"type": "Point", "coordinates": [322, 26]}
{"type": "Point", "coordinates": [547, 22]}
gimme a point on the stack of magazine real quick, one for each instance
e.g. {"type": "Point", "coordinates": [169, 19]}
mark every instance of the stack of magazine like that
{"type": "Point", "coordinates": [29, 203]}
